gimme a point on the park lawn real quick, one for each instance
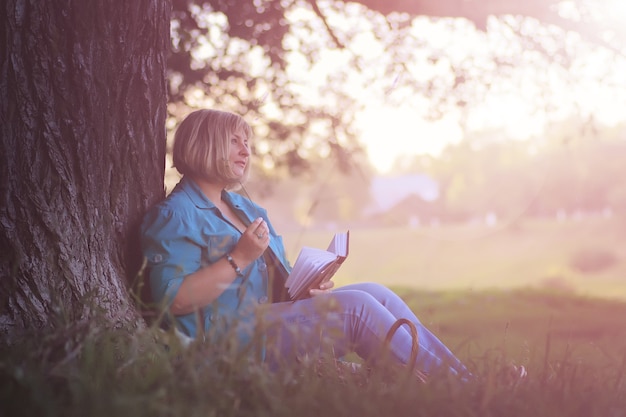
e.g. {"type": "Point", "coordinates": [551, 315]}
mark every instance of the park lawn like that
{"type": "Point", "coordinates": [527, 326]}
{"type": "Point", "coordinates": [493, 296]}
{"type": "Point", "coordinates": [510, 290]}
{"type": "Point", "coordinates": [526, 254]}
{"type": "Point", "coordinates": [573, 347]}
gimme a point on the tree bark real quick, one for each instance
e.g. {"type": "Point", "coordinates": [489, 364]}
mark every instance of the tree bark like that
{"type": "Point", "coordinates": [82, 154]}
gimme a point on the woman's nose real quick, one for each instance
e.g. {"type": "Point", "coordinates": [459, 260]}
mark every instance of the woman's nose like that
{"type": "Point", "coordinates": [244, 150]}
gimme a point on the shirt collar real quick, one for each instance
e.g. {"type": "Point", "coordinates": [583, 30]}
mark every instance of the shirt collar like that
{"type": "Point", "coordinates": [200, 200]}
{"type": "Point", "coordinates": [192, 189]}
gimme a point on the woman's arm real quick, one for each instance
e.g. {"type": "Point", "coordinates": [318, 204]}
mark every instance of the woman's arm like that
{"type": "Point", "coordinates": [205, 285]}
{"type": "Point", "coordinates": [176, 273]}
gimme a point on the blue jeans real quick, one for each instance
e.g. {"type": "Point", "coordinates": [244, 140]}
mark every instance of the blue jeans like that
{"type": "Point", "coordinates": [353, 318]}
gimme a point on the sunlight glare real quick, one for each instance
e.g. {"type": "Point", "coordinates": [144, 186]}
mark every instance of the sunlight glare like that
{"type": "Point", "coordinates": [388, 133]}
{"type": "Point", "coordinates": [616, 9]}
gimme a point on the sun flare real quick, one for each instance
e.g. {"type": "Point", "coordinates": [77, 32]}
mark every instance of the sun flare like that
{"type": "Point", "coordinates": [616, 9]}
{"type": "Point", "coordinates": [389, 133]}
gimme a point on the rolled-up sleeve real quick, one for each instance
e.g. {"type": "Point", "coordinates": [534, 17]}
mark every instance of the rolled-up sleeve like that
{"type": "Point", "coordinates": [170, 251]}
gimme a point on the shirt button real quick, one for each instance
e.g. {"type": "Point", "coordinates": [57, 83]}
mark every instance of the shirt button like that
{"type": "Point", "coordinates": [263, 299]}
{"type": "Point", "coordinates": [262, 267]}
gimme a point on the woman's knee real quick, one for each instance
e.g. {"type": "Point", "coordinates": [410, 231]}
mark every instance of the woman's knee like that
{"type": "Point", "coordinates": [356, 301]}
{"type": "Point", "coordinates": [380, 292]}
{"type": "Point", "coordinates": [368, 287]}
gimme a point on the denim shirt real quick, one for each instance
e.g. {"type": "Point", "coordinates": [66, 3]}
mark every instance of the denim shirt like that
{"type": "Point", "coordinates": [187, 232]}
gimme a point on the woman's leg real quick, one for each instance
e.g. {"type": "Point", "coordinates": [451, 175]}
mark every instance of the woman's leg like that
{"type": "Point", "coordinates": [353, 318]}
{"type": "Point", "coordinates": [345, 321]}
{"type": "Point", "coordinates": [432, 352]}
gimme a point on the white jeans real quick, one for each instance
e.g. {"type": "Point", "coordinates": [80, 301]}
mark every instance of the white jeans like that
{"type": "Point", "coordinates": [355, 318]}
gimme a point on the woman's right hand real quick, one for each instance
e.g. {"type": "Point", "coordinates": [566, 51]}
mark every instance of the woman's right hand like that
{"type": "Point", "coordinates": [253, 242]}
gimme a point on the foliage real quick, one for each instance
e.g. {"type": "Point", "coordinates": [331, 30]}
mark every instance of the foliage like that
{"type": "Point", "coordinates": [513, 180]}
{"type": "Point", "coordinates": [77, 371]}
{"type": "Point", "coordinates": [234, 55]}
{"type": "Point", "coordinates": [262, 59]}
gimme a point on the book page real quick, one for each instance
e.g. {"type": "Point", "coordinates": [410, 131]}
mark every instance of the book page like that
{"type": "Point", "coordinates": [314, 266]}
{"type": "Point", "coordinates": [308, 262]}
{"type": "Point", "coordinates": [339, 244]}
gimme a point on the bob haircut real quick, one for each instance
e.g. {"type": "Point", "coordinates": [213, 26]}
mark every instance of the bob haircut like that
{"type": "Point", "coordinates": [202, 146]}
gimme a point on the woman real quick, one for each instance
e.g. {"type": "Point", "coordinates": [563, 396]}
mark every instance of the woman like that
{"type": "Point", "coordinates": [217, 264]}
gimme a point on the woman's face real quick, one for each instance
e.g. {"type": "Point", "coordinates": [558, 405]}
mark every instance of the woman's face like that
{"type": "Point", "coordinates": [239, 153]}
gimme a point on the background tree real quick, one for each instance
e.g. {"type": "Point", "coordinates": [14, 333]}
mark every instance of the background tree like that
{"type": "Point", "coordinates": [522, 179]}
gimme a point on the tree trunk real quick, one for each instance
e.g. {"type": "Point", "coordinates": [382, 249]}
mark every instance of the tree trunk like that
{"type": "Point", "coordinates": [82, 154]}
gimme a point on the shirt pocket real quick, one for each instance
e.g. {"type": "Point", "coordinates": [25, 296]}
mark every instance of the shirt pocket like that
{"type": "Point", "coordinates": [218, 246]}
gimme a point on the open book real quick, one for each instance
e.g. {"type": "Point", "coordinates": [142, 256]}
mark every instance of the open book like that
{"type": "Point", "coordinates": [315, 266]}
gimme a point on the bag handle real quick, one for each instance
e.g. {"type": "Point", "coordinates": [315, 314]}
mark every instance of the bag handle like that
{"type": "Point", "coordinates": [414, 343]}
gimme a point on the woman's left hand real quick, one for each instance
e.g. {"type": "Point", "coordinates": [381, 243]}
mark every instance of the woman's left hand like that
{"type": "Point", "coordinates": [325, 288]}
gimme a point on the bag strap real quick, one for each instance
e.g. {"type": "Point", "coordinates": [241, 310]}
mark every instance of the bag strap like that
{"type": "Point", "coordinates": [414, 343]}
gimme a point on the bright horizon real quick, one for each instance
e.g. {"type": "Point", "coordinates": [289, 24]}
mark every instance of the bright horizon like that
{"type": "Point", "coordinates": [390, 133]}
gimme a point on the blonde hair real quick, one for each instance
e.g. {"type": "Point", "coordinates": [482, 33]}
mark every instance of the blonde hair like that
{"type": "Point", "coordinates": [202, 145]}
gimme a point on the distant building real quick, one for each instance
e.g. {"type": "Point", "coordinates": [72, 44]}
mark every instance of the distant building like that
{"type": "Point", "coordinates": [388, 192]}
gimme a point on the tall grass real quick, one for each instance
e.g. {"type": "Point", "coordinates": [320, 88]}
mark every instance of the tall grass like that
{"type": "Point", "coordinates": [88, 369]}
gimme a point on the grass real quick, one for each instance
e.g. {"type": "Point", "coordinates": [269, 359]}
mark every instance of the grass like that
{"type": "Point", "coordinates": [574, 348]}
{"type": "Point", "coordinates": [494, 296]}
{"type": "Point", "coordinates": [527, 254]}
{"type": "Point", "coordinates": [521, 323]}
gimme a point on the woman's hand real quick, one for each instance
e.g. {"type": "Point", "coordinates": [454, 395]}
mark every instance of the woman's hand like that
{"type": "Point", "coordinates": [253, 242]}
{"type": "Point", "coordinates": [325, 288]}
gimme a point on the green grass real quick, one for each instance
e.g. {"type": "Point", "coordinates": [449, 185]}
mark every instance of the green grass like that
{"type": "Point", "coordinates": [574, 348]}
{"type": "Point", "coordinates": [520, 324]}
